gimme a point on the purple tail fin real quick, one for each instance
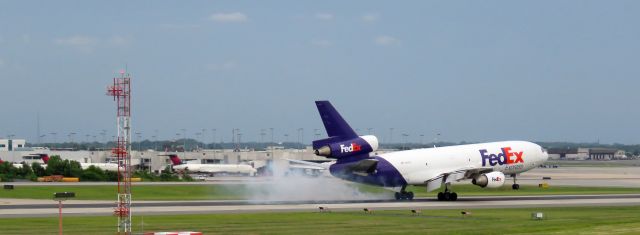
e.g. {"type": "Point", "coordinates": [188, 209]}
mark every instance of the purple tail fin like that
{"type": "Point", "coordinates": [343, 143]}
{"type": "Point", "coordinates": [335, 125]}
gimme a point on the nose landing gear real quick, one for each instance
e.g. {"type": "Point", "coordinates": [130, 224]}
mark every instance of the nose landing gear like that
{"type": "Point", "coordinates": [515, 186]}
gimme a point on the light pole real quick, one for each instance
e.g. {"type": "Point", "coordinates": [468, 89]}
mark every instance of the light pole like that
{"type": "Point", "coordinates": [62, 197]}
{"type": "Point", "coordinates": [139, 136]}
{"type": "Point", "coordinates": [54, 137]}
{"type": "Point", "coordinates": [213, 137]}
{"type": "Point", "coordinates": [155, 142]}
{"type": "Point", "coordinates": [71, 137]}
{"type": "Point", "coordinates": [404, 141]}
{"type": "Point", "coordinates": [104, 137]}
{"type": "Point", "coordinates": [272, 145]}
{"type": "Point", "coordinates": [184, 140]}
{"type": "Point", "coordinates": [204, 138]}
{"type": "Point", "coordinates": [198, 135]}
{"type": "Point", "coordinates": [300, 133]}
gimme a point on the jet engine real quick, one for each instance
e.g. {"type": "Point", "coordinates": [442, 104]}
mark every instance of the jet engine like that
{"type": "Point", "coordinates": [489, 180]}
{"type": "Point", "coordinates": [346, 148]}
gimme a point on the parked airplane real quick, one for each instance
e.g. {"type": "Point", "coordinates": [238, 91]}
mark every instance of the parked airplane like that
{"type": "Point", "coordinates": [16, 165]}
{"type": "Point", "coordinates": [211, 168]}
{"type": "Point", "coordinates": [103, 166]}
{"type": "Point", "coordinates": [84, 166]}
{"type": "Point", "coordinates": [485, 164]}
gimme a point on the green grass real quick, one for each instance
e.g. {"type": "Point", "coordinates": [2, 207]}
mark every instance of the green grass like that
{"type": "Point", "coordinates": [572, 220]}
{"type": "Point", "coordinates": [225, 192]}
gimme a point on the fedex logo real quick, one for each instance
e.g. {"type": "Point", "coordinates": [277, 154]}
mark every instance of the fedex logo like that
{"type": "Point", "coordinates": [496, 179]}
{"type": "Point", "coordinates": [506, 157]}
{"type": "Point", "coordinates": [353, 147]}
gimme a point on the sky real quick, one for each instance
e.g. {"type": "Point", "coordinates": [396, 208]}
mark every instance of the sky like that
{"type": "Point", "coordinates": [446, 70]}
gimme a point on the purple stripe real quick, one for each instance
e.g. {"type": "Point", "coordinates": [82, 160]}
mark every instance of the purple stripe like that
{"type": "Point", "coordinates": [386, 175]}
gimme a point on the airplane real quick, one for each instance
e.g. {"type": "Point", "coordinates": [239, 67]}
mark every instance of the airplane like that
{"type": "Point", "coordinates": [486, 164]}
{"type": "Point", "coordinates": [316, 169]}
{"type": "Point", "coordinates": [103, 166]}
{"type": "Point", "coordinates": [16, 165]}
{"type": "Point", "coordinates": [211, 168]}
{"type": "Point", "coordinates": [84, 166]}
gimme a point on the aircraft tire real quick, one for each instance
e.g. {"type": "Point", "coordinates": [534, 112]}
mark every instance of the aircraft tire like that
{"type": "Point", "coordinates": [515, 186]}
{"type": "Point", "coordinates": [410, 195]}
{"type": "Point", "coordinates": [440, 196]}
{"type": "Point", "coordinates": [454, 196]}
{"type": "Point", "coordinates": [446, 196]}
{"type": "Point", "coordinates": [398, 196]}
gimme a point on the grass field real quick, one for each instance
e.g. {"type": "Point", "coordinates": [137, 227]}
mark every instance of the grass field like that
{"type": "Point", "coordinates": [573, 220]}
{"type": "Point", "coordinates": [223, 192]}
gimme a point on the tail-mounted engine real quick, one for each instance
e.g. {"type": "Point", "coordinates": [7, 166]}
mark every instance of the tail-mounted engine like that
{"type": "Point", "coordinates": [346, 148]}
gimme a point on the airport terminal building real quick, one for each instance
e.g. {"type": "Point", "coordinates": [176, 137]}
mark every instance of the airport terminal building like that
{"type": "Point", "coordinates": [600, 154]}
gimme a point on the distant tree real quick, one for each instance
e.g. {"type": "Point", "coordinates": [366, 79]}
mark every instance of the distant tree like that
{"type": "Point", "coordinates": [25, 171]}
{"type": "Point", "coordinates": [55, 166]}
{"type": "Point", "coordinates": [72, 169]}
{"type": "Point", "coordinates": [93, 174]}
{"type": "Point", "coordinates": [111, 176]}
{"type": "Point", "coordinates": [168, 175]}
{"type": "Point", "coordinates": [38, 170]}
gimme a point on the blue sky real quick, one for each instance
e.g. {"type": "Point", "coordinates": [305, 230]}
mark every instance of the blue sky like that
{"type": "Point", "coordinates": [470, 70]}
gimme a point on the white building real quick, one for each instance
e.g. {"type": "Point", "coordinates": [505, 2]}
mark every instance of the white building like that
{"type": "Point", "coordinates": [12, 144]}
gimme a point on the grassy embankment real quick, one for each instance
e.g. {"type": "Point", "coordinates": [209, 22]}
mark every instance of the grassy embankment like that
{"type": "Point", "coordinates": [574, 220]}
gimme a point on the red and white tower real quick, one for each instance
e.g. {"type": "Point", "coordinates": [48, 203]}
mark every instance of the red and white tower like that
{"type": "Point", "coordinates": [121, 92]}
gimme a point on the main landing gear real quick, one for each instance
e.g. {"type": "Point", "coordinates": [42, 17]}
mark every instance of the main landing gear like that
{"type": "Point", "coordinates": [515, 186]}
{"type": "Point", "coordinates": [447, 195]}
{"type": "Point", "coordinates": [404, 195]}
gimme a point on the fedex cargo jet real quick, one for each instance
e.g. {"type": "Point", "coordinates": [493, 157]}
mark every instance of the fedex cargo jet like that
{"type": "Point", "coordinates": [486, 164]}
{"type": "Point", "coordinates": [211, 168]}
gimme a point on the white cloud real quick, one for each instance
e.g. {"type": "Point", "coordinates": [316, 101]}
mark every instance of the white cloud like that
{"type": "Point", "coordinates": [119, 40]}
{"type": "Point", "coordinates": [228, 65]}
{"type": "Point", "coordinates": [321, 43]}
{"type": "Point", "coordinates": [179, 26]}
{"type": "Point", "coordinates": [232, 17]}
{"type": "Point", "coordinates": [26, 38]}
{"type": "Point", "coordinates": [385, 40]}
{"type": "Point", "coordinates": [78, 40]}
{"type": "Point", "coordinates": [324, 16]}
{"type": "Point", "coordinates": [370, 17]}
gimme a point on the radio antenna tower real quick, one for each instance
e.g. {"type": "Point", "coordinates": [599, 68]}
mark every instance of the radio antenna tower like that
{"type": "Point", "coordinates": [121, 92]}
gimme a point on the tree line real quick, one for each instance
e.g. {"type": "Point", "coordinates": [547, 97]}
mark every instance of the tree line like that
{"type": "Point", "coordinates": [71, 168]}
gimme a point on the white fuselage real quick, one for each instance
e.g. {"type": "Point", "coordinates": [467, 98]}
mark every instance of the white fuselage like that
{"type": "Point", "coordinates": [103, 166]}
{"type": "Point", "coordinates": [419, 165]}
{"type": "Point", "coordinates": [217, 168]}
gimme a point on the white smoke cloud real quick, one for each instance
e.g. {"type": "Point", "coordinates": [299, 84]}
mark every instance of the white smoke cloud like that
{"type": "Point", "coordinates": [309, 189]}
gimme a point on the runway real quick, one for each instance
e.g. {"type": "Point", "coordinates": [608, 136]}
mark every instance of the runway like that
{"type": "Point", "coordinates": [43, 208]}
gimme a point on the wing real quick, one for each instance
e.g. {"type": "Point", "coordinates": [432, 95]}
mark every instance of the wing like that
{"type": "Point", "coordinates": [300, 164]}
{"type": "Point", "coordinates": [455, 175]}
